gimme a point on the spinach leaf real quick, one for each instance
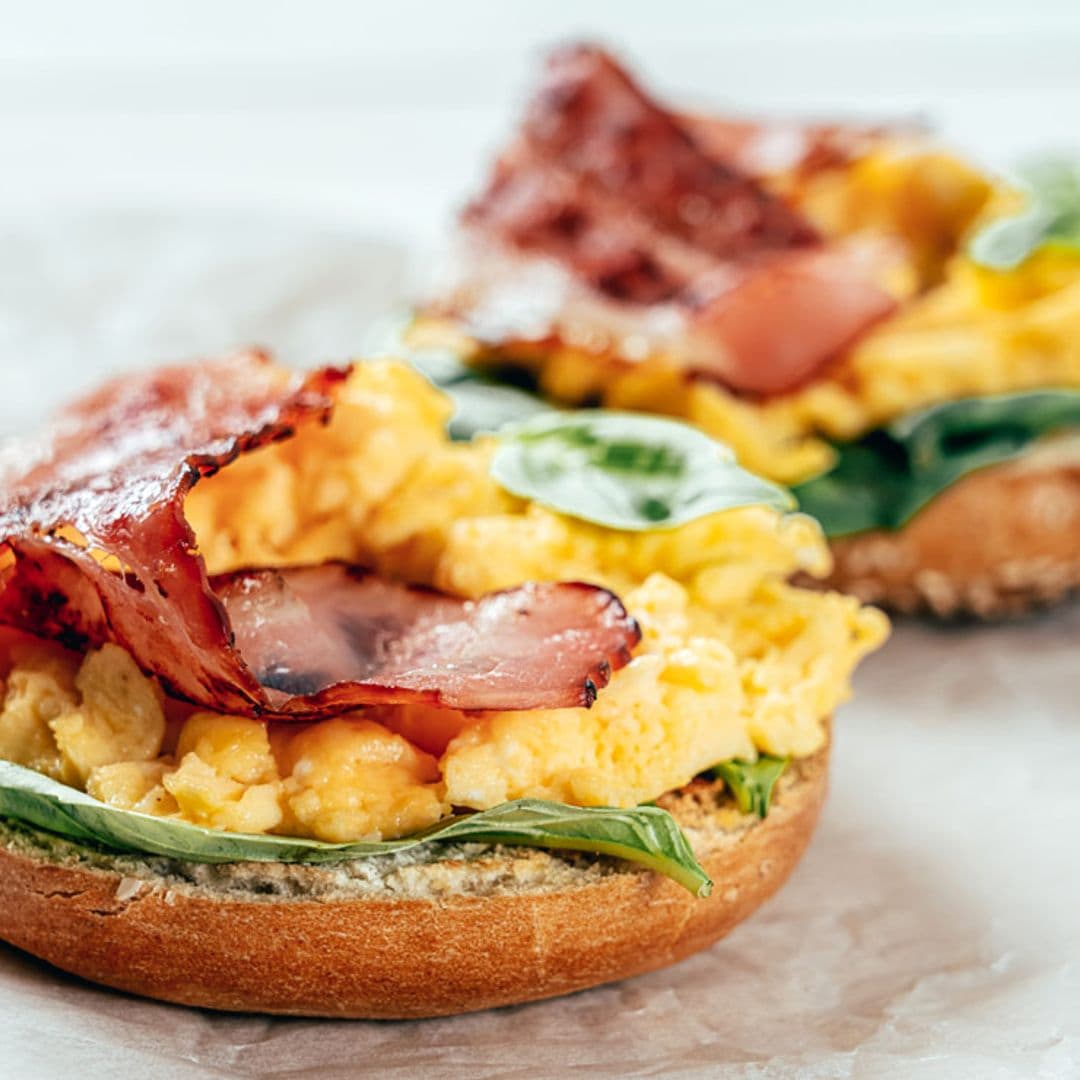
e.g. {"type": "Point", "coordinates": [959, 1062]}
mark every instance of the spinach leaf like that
{"type": "Point", "coordinates": [752, 782]}
{"type": "Point", "coordinates": [1051, 217]}
{"type": "Point", "coordinates": [645, 835]}
{"type": "Point", "coordinates": [883, 480]}
{"type": "Point", "coordinates": [625, 470]}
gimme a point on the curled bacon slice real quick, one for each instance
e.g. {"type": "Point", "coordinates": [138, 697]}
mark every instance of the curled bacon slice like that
{"type": "Point", "coordinates": [94, 547]}
{"type": "Point", "coordinates": [662, 245]}
{"type": "Point", "coordinates": [330, 632]}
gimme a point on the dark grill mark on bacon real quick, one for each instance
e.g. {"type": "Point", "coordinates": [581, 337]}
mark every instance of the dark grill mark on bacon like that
{"type": "Point", "coordinates": [116, 468]}
{"type": "Point", "coordinates": [294, 683]}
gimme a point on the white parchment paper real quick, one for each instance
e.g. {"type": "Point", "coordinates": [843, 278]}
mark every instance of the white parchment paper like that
{"type": "Point", "coordinates": [933, 929]}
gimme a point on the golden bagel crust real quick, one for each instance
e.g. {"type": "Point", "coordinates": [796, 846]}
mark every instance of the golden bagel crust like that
{"type": "Point", "coordinates": [1000, 542]}
{"type": "Point", "coordinates": [500, 938]}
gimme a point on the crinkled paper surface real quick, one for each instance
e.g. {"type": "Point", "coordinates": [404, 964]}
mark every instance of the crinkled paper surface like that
{"type": "Point", "coordinates": [933, 929]}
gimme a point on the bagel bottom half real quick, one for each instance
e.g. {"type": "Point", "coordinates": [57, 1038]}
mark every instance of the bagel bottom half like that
{"type": "Point", "coordinates": [1000, 542]}
{"type": "Point", "coordinates": [428, 932]}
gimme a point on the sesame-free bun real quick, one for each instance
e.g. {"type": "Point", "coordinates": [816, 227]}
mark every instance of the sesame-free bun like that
{"type": "Point", "coordinates": [999, 542]}
{"type": "Point", "coordinates": [424, 933]}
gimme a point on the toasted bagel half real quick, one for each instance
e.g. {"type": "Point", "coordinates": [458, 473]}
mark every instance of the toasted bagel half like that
{"type": "Point", "coordinates": [1002, 541]}
{"type": "Point", "coordinates": [430, 932]}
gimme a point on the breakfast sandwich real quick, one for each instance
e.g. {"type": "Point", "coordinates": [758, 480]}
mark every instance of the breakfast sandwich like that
{"type": "Point", "coordinates": [306, 708]}
{"type": "Point", "coordinates": [873, 323]}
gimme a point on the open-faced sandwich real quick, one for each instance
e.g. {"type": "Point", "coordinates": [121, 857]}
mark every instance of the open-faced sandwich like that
{"type": "Point", "coordinates": [305, 708]}
{"type": "Point", "coordinates": [861, 317]}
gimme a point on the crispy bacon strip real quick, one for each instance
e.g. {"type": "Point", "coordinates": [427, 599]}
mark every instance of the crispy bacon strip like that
{"type": "Point", "coordinates": [663, 246]}
{"type": "Point", "coordinates": [94, 547]}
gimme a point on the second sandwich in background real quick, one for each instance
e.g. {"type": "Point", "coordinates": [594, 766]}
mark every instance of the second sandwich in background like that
{"type": "Point", "coordinates": [862, 317]}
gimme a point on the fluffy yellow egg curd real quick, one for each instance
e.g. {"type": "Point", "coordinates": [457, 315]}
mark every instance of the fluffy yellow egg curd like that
{"type": "Point", "coordinates": [734, 661]}
{"type": "Point", "coordinates": [960, 330]}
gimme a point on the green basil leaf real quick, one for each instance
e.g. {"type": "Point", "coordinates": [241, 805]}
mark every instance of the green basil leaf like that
{"type": "Point", "coordinates": [883, 480]}
{"type": "Point", "coordinates": [646, 835]}
{"type": "Point", "coordinates": [1051, 217]}
{"type": "Point", "coordinates": [625, 470]}
{"type": "Point", "coordinates": [752, 782]}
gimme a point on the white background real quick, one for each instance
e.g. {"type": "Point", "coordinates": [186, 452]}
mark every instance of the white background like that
{"type": "Point", "coordinates": [379, 112]}
{"type": "Point", "coordinates": [370, 122]}
{"type": "Point", "coordinates": [182, 177]}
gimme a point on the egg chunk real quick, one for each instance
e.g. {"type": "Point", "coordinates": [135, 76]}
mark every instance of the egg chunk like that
{"type": "Point", "coordinates": [352, 779]}
{"type": "Point", "coordinates": [66, 717]}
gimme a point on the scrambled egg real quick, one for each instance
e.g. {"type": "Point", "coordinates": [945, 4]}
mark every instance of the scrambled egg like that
{"type": "Point", "coordinates": [964, 331]}
{"type": "Point", "coordinates": [97, 722]}
{"type": "Point", "coordinates": [345, 775]}
{"type": "Point", "coordinates": [66, 720]}
{"type": "Point", "coordinates": [734, 660]}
